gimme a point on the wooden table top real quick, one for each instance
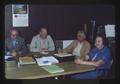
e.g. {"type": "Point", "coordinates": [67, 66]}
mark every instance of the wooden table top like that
{"type": "Point", "coordinates": [33, 71]}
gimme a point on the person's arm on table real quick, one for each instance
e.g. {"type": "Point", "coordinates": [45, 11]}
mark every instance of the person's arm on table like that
{"type": "Point", "coordinates": [101, 61]}
{"type": "Point", "coordinates": [94, 63]}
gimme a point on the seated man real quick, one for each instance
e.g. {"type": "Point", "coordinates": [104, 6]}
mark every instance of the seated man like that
{"type": "Point", "coordinates": [98, 57]}
{"type": "Point", "coordinates": [79, 47]}
{"type": "Point", "coordinates": [42, 42]}
{"type": "Point", "coordinates": [15, 44]}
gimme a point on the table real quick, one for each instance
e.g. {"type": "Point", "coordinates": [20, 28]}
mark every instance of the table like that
{"type": "Point", "coordinates": [33, 71]}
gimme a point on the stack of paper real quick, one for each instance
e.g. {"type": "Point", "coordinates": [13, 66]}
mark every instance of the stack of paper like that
{"type": "Point", "coordinates": [53, 69]}
{"type": "Point", "coordinates": [26, 60]}
{"type": "Point", "coordinates": [62, 54]}
{"type": "Point", "coordinates": [46, 61]}
{"type": "Point", "coordinates": [44, 52]}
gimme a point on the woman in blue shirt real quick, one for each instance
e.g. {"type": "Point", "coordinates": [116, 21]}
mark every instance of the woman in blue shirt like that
{"type": "Point", "coordinates": [98, 57]}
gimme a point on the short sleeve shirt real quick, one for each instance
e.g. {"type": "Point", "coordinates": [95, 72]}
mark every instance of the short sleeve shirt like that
{"type": "Point", "coordinates": [102, 54]}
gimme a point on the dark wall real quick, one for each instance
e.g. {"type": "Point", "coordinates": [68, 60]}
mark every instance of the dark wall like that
{"type": "Point", "coordinates": [62, 21]}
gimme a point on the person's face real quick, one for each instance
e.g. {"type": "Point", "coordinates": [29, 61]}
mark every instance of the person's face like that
{"type": "Point", "coordinates": [14, 34]}
{"type": "Point", "coordinates": [80, 37]}
{"type": "Point", "coordinates": [43, 33]}
{"type": "Point", "coordinates": [99, 42]}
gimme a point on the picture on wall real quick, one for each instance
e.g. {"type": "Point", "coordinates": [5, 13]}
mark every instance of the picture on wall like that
{"type": "Point", "coordinates": [20, 15]}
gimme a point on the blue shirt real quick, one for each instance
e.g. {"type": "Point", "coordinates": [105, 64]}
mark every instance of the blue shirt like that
{"type": "Point", "coordinates": [95, 55]}
{"type": "Point", "coordinates": [102, 54]}
{"type": "Point", "coordinates": [14, 43]}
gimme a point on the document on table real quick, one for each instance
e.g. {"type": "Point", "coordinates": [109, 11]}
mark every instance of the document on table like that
{"type": "Point", "coordinates": [63, 54]}
{"type": "Point", "coordinates": [46, 60]}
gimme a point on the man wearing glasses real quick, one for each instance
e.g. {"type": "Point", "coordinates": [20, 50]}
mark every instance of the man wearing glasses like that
{"type": "Point", "coordinates": [14, 43]}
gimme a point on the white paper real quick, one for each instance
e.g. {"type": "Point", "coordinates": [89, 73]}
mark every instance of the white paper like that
{"type": "Point", "coordinates": [20, 20]}
{"type": "Point", "coordinates": [6, 57]}
{"type": "Point", "coordinates": [43, 52]}
{"type": "Point", "coordinates": [66, 43]}
{"type": "Point", "coordinates": [50, 59]}
{"type": "Point", "coordinates": [20, 15]}
{"type": "Point", "coordinates": [63, 54]}
{"type": "Point", "coordinates": [110, 30]}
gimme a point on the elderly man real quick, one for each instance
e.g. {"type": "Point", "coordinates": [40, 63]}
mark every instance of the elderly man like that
{"type": "Point", "coordinates": [80, 47]}
{"type": "Point", "coordinates": [14, 43]}
{"type": "Point", "coordinates": [42, 42]}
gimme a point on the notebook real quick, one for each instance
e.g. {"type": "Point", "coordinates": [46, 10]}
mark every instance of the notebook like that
{"type": "Point", "coordinates": [26, 60]}
{"type": "Point", "coordinates": [53, 69]}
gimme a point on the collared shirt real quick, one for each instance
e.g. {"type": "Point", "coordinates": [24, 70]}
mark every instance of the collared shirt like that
{"type": "Point", "coordinates": [76, 51]}
{"type": "Point", "coordinates": [13, 43]}
{"type": "Point", "coordinates": [18, 44]}
{"type": "Point", "coordinates": [43, 43]}
{"type": "Point", "coordinates": [102, 54]}
{"type": "Point", "coordinates": [38, 43]}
